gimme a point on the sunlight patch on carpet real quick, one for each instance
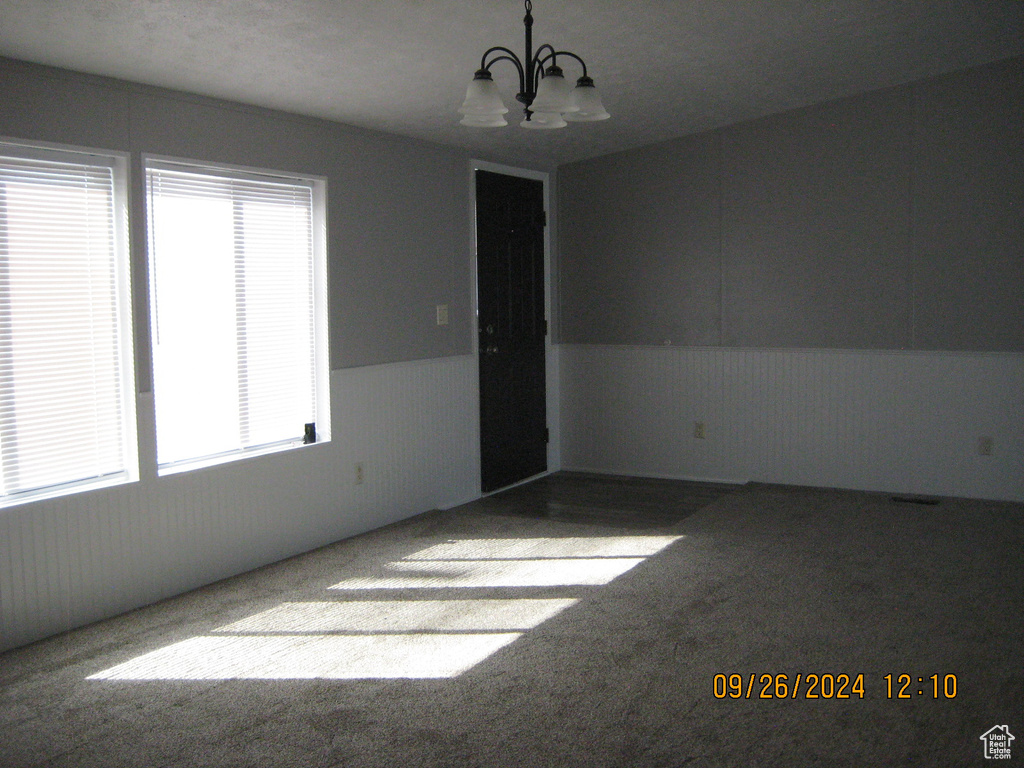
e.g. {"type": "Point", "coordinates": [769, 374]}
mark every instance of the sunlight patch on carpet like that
{"type": "Point", "coordinates": [437, 574]}
{"type": "Point", "coordinates": [401, 616]}
{"type": "Point", "coordinates": [379, 639]}
{"type": "Point", "coordinates": [328, 657]}
{"type": "Point", "coordinates": [549, 562]}
{"type": "Point", "coordinates": [561, 548]}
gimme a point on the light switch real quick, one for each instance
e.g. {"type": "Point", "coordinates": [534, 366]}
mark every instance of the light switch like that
{"type": "Point", "coordinates": [442, 314]}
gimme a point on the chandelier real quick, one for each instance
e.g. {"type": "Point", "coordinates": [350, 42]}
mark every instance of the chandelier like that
{"type": "Point", "coordinates": [548, 100]}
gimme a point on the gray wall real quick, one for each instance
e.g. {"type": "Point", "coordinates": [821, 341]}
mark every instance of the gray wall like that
{"type": "Point", "coordinates": [889, 220]}
{"type": "Point", "coordinates": [398, 223]}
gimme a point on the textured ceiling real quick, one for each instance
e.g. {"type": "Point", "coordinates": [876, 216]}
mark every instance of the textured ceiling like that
{"type": "Point", "coordinates": [664, 68]}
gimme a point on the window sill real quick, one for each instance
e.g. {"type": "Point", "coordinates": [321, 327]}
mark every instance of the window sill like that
{"type": "Point", "coordinates": [82, 486]}
{"type": "Point", "coordinates": [189, 465]}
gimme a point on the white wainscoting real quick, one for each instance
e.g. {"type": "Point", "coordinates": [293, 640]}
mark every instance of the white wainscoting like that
{"type": "Point", "coordinates": [905, 422]}
{"type": "Point", "coordinates": [73, 560]}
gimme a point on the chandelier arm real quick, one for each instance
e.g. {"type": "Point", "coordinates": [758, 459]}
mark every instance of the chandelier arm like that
{"type": "Point", "coordinates": [503, 49]}
{"type": "Point", "coordinates": [507, 56]}
{"type": "Point", "coordinates": [542, 61]}
{"type": "Point", "coordinates": [519, 66]}
{"type": "Point", "coordinates": [549, 47]}
{"type": "Point", "coordinates": [535, 70]}
{"type": "Point", "coordinates": [539, 59]}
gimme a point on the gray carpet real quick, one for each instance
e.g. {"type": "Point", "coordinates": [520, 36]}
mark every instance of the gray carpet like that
{"type": "Point", "coordinates": [566, 626]}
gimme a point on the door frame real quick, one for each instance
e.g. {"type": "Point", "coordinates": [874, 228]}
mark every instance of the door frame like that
{"type": "Point", "coordinates": [551, 359]}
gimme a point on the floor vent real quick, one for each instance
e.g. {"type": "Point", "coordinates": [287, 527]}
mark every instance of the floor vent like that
{"type": "Point", "coordinates": [915, 500]}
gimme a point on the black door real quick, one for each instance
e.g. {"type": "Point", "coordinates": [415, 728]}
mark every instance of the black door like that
{"type": "Point", "coordinates": [510, 223]}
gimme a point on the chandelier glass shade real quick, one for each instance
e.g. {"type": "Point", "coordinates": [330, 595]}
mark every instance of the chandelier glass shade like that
{"type": "Point", "coordinates": [544, 120]}
{"type": "Point", "coordinates": [483, 121]}
{"type": "Point", "coordinates": [547, 97]}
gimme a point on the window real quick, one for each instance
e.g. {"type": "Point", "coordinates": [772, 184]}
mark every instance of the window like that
{"type": "Point", "coordinates": [238, 301]}
{"type": "Point", "coordinates": [67, 394]}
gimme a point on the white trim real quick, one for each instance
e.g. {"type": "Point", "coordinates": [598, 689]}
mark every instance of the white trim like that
{"type": "Point", "coordinates": [735, 482]}
{"type": "Point", "coordinates": [119, 164]}
{"type": "Point", "coordinates": [981, 353]}
{"type": "Point", "coordinates": [126, 308]}
{"type": "Point", "coordinates": [525, 481]}
{"type": "Point", "coordinates": [188, 465]}
{"type": "Point", "coordinates": [39, 149]}
{"type": "Point", "coordinates": [321, 315]}
{"type": "Point", "coordinates": [321, 353]}
{"type": "Point", "coordinates": [187, 165]}
{"type": "Point", "coordinates": [508, 170]}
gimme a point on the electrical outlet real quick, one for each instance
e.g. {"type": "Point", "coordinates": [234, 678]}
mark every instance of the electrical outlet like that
{"type": "Point", "coordinates": [698, 430]}
{"type": "Point", "coordinates": [985, 446]}
{"type": "Point", "coordinates": [359, 473]}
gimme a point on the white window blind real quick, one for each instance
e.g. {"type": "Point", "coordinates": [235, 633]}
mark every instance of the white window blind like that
{"type": "Point", "coordinates": [238, 312]}
{"type": "Point", "coordinates": [66, 380]}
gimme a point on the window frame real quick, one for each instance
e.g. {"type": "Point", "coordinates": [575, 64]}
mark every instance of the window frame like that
{"type": "Point", "coordinates": [119, 164]}
{"type": "Point", "coordinates": [321, 353]}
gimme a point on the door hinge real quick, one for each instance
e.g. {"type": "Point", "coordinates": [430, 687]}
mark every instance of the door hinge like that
{"type": "Point", "coordinates": [543, 218]}
{"type": "Point", "coordinates": [547, 435]}
{"type": "Point", "coordinates": [544, 327]}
